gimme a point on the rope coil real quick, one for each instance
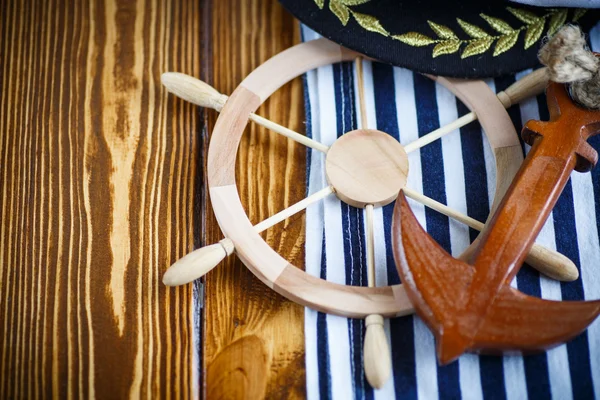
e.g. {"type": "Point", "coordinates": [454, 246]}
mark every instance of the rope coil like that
{"type": "Point", "coordinates": [569, 60]}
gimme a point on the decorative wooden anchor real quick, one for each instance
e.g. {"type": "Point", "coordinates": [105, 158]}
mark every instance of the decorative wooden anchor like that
{"type": "Point", "coordinates": [471, 306]}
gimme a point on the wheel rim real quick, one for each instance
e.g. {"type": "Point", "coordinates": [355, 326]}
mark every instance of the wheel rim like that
{"type": "Point", "coordinates": [255, 253]}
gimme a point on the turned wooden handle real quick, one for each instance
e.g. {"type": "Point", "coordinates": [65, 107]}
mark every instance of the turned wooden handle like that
{"type": "Point", "coordinates": [198, 263]}
{"type": "Point", "coordinates": [378, 364]}
{"type": "Point", "coordinates": [552, 264]}
{"type": "Point", "coordinates": [193, 90]}
{"type": "Point", "coordinates": [528, 86]}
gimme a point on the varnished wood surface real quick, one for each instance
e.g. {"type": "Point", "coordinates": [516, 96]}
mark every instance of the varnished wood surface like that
{"type": "Point", "coordinates": [253, 338]}
{"type": "Point", "coordinates": [97, 172]}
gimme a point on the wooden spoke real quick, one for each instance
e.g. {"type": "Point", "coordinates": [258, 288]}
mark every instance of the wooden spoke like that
{"type": "Point", "coordinates": [438, 133]}
{"type": "Point", "coordinates": [377, 360]}
{"type": "Point", "coordinates": [201, 261]}
{"type": "Point", "coordinates": [293, 209]}
{"type": "Point", "coordinates": [546, 261]}
{"type": "Point", "coordinates": [364, 123]}
{"type": "Point", "coordinates": [528, 86]}
{"type": "Point", "coordinates": [370, 239]}
{"type": "Point", "coordinates": [202, 94]}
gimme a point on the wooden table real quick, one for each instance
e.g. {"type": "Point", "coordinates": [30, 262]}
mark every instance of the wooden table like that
{"type": "Point", "coordinates": [101, 174]}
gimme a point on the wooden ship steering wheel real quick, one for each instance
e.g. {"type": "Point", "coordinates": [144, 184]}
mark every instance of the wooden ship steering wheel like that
{"type": "Point", "coordinates": [365, 168]}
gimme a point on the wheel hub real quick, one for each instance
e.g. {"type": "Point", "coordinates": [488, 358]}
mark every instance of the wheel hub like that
{"type": "Point", "coordinates": [366, 166]}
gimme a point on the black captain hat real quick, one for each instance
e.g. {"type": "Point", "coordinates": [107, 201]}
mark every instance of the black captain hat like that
{"type": "Point", "coordinates": [467, 39]}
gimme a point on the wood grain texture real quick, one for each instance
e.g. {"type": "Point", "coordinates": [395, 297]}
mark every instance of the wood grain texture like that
{"type": "Point", "coordinates": [97, 166]}
{"type": "Point", "coordinates": [253, 337]}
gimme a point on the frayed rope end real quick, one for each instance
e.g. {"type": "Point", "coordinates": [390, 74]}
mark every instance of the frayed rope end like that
{"type": "Point", "coordinates": [569, 60]}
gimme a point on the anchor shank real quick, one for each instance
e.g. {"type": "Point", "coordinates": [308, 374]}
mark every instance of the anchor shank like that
{"type": "Point", "coordinates": [520, 217]}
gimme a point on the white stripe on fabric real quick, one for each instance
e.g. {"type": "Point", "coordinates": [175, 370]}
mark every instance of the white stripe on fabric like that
{"type": "Point", "coordinates": [514, 377]}
{"type": "Point", "coordinates": [406, 112]}
{"type": "Point", "coordinates": [314, 234]}
{"type": "Point", "coordinates": [587, 234]}
{"type": "Point", "coordinates": [469, 377]}
{"type": "Point", "coordinates": [591, 278]}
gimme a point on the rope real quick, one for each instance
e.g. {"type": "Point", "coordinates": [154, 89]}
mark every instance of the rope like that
{"type": "Point", "coordinates": [569, 60]}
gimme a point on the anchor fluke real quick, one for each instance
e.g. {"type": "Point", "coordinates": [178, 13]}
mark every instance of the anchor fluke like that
{"type": "Point", "coordinates": [438, 285]}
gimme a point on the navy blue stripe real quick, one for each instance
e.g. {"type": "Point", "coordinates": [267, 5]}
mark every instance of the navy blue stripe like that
{"type": "Point", "coordinates": [432, 167]}
{"type": "Point", "coordinates": [323, 357]}
{"type": "Point", "coordinates": [434, 186]}
{"type": "Point", "coordinates": [401, 329]}
{"type": "Point", "coordinates": [323, 338]}
{"type": "Point", "coordinates": [308, 129]}
{"type": "Point", "coordinates": [475, 171]}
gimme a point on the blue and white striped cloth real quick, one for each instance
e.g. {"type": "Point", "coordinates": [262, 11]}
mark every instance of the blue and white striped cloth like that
{"type": "Point", "coordinates": [459, 171]}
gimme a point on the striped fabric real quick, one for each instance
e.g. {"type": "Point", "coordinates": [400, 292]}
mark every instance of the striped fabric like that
{"type": "Point", "coordinates": [459, 171]}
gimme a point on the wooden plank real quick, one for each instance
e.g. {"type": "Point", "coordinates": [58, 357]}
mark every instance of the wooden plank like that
{"type": "Point", "coordinates": [253, 338]}
{"type": "Point", "coordinates": [97, 171]}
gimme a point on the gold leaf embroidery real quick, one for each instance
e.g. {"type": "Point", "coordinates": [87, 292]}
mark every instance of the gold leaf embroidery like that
{"type": "Point", "coordinates": [477, 47]}
{"type": "Point", "coordinates": [414, 39]}
{"type": "Point", "coordinates": [472, 30]}
{"type": "Point", "coordinates": [449, 43]}
{"type": "Point", "coordinates": [442, 31]}
{"type": "Point", "coordinates": [340, 11]}
{"type": "Point", "coordinates": [353, 2]}
{"type": "Point", "coordinates": [533, 33]}
{"type": "Point", "coordinates": [579, 12]}
{"type": "Point", "coordinates": [523, 15]}
{"type": "Point", "coordinates": [498, 24]}
{"type": "Point", "coordinates": [370, 23]}
{"type": "Point", "coordinates": [446, 47]}
{"type": "Point", "coordinates": [506, 42]}
{"type": "Point", "coordinates": [556, 21]}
